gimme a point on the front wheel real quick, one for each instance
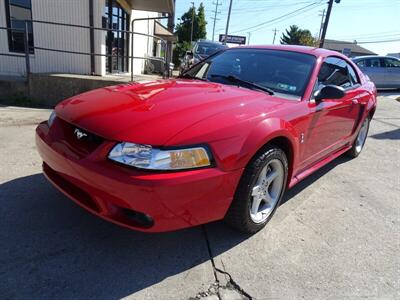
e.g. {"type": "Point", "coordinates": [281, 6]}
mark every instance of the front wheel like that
{"type": "Point", "coordinates": [259, 192]}
{"type": "Point", "coordinates": [359, 142]}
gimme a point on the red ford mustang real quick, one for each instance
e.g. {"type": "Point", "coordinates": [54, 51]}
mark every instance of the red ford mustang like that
{"type": "Point", "coordinates": [223, 141]}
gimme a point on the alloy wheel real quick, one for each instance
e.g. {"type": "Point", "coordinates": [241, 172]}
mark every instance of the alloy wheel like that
{"type": "Point", "coordinates": [266, 191]}
{"type": "Point", "coordinates": [362, 135]}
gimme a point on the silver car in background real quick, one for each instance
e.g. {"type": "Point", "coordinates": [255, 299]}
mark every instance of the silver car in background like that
{"type": "Point", "coordinates": [384, 71]}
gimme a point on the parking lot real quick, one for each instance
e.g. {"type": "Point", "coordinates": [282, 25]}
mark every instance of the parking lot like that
{"type": "Point", "coordinates": [336, 236]}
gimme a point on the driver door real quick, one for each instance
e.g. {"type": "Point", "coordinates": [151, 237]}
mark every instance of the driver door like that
{"type": "Point", "coordinates": [331, 121]}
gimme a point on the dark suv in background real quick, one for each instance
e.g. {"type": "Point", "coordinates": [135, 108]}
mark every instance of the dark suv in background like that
{"type": "Point", "coordinates": [200, 50]}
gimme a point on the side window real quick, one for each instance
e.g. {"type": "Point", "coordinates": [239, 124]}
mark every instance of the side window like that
{"type": "Point", "coordinates": [353, 75]}
{"type": "Point", "coordinates": [373, 62]}
{"type": "Point", "coordinates": [334, 71]}
{"type": "Point", "coordinates": [361, 63]}
{"type": "Point", "coordinates": [16, 12]}
{"type": "Point", "coordinates": [391, 63]}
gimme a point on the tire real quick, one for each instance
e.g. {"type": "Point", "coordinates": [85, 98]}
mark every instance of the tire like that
{"type": "Point", "coordinates": [256, 182]}
{"type": "Point", "coordinates": [359, 141]}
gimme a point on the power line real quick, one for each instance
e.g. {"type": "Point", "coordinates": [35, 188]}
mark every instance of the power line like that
{"type": "Point", "coordinates": [375, 42]}
{"type": "Point", "coordinates": [366, 42]}
{"type": "Point", "coordinates": [269, 6]}
{"type": "Point", "coordinates": [366, 36]}
{"type": "Point", "coordinates": [314, 4]}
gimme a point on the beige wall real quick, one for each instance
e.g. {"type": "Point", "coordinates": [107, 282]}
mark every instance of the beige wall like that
{"type": "Point", "coordinates": [143, 45]}
{"type": "Point", "coordinates": [69, 38]}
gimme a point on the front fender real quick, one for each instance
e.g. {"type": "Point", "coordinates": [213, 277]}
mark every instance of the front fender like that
{"type": "Point", "coordinates": [266, 131]}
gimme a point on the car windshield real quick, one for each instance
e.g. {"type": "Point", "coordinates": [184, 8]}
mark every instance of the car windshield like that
{"type": "Point", "coordinates": [207, 48]}
{"type": "Point", "coordinates": [283, 72]}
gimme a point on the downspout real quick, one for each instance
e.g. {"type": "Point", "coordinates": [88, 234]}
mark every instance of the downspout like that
{"type": "Point", "coordinates": [91, 33]}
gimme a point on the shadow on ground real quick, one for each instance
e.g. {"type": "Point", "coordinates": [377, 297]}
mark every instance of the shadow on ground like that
{"type": "Point", "coordinates": [388, 135]}
{"type": "Point", "coordinates": [54, 249]}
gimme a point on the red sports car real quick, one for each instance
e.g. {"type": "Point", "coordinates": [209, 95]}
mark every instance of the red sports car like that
{"type": "Point", "coordinates": [223, 141]}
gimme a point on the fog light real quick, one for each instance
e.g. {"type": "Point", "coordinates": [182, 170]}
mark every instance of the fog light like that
{"type": "Point", "coordinates": [140, 219]}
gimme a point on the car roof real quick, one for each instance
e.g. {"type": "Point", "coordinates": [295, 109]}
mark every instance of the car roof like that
{"type": "Point", "coordinates": [318, 52]}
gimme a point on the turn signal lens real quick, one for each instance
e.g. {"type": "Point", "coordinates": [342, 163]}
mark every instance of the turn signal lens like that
{"type": "Point", "coordinates": [51, 119]}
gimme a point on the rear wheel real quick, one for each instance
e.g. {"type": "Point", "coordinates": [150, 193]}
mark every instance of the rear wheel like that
{"type": "Point", "coordinates": [259, 192]}
{"type": "Point", "coordinates": [359, 142]}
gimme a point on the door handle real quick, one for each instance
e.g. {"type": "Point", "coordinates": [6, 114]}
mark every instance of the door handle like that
{"type": "Point", "coordinates": [355, 101]}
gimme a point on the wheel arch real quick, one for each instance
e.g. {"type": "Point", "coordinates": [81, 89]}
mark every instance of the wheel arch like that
{"type": "Point", "coordinates": [371, 112]}
{"type": "Point", "coordinates": [283, 143]}
{"type": "Point", "coordinates": [274, 132]}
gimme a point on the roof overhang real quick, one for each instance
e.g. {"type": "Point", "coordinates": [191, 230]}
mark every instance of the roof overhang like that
{"type": "Point", "coordinates": [161, 6]}
{"type": "Point", "coordinates": [164, 33]}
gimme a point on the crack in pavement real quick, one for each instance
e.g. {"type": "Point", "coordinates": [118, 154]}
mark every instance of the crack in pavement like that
{"type": "Point", "coordinates": [217, 287]}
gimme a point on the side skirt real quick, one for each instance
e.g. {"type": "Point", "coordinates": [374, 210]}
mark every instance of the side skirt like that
{"type": "Point", "coordinates": [299, 177]}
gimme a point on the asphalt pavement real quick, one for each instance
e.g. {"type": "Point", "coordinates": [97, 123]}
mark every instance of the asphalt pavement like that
{"type": "Point", "coordinates": [336, 236]}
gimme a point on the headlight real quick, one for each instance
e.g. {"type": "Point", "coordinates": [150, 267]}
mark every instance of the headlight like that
{"type": "Point", "coordinates": [147, 157]}
{"type": "Point", "coordinates": [51, 119]}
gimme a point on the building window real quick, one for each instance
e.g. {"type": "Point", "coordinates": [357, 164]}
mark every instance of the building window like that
{"type": "Point", "coordinates": [117, 43]}
{"type": "Point", "coordinates": [16, 12]}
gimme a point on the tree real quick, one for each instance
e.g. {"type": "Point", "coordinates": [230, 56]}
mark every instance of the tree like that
{"type": "Point", "coordinates": [297, 36]}
{"type": "Point", "coordinates": [184, 28]}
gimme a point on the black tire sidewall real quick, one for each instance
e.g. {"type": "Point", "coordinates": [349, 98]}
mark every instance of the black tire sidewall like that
{"type": "Point", "coordinates": [243, 198]}
{"type": "Point", "coordinates": [254, 180]}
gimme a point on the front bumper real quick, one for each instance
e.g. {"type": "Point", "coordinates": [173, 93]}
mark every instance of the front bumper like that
{"type": "Point", "coordinates": [172, 200]}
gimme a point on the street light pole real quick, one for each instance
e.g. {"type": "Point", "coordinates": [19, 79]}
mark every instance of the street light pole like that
{"type": "Point", "coordinates": [324, 29]}
{"type": "Point", "coordinates": [191, 32]}
{"type": "Point", "coordinates": [273, 40]}
{"type": "Point", "coordinates": [227, 21]}
{"type": "Point", "coordinates": [322, 24]}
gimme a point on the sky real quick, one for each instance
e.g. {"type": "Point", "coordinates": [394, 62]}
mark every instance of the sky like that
{"type": "Point", "coordinates": [376, 22]}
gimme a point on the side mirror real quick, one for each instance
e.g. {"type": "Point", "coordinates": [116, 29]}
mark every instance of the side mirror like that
{"type": "Point", "coordinates": [189, 53]}
{"type": "Point", "coordinates": [329, 92]}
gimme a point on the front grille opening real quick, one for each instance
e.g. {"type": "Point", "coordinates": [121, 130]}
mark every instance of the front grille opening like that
{"type": "Point", "coordinates": [65, 133]}
{"type": "Point", "coordinates": [139, 219]}
{"type": "Point", "coordinates": [71, 189]}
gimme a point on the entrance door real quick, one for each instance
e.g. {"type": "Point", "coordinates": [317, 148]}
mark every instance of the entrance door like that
{"type": "Point", "coordinates": [117, 43]}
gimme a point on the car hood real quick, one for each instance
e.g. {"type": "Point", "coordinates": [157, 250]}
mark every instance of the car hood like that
{"type": "Point", "coordinates": [154, 112]}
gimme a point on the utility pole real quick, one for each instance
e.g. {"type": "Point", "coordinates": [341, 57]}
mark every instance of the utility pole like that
{"type": "Point", "coordinates": [215, 17]}
{"type": "Point", "coordinates": [322, 24]}
{"type": "Point", "coordinates": [325, 28]}
{"type": "Point", "coordinates": [227, 21]}
{"type": "Point", "coordinates": [248, 39]}
{"type": "Point", "coordinates": [191, 32]}
{"type": "Point", "coordinates": [275, 31]}
{"type": "Point", "coordinates": [171, 26]}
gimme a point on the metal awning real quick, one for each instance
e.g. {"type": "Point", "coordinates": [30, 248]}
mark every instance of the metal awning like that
{"type": "Point", "coordinates": [161, 6]}
{"type": "Point", "coordinates": [163, 32]}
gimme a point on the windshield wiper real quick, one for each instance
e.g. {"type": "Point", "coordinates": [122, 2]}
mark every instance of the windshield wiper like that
{"type": "Point", "coordinates": [187, 76]}
{"type": "Point", "coordinates": [250, 84]}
